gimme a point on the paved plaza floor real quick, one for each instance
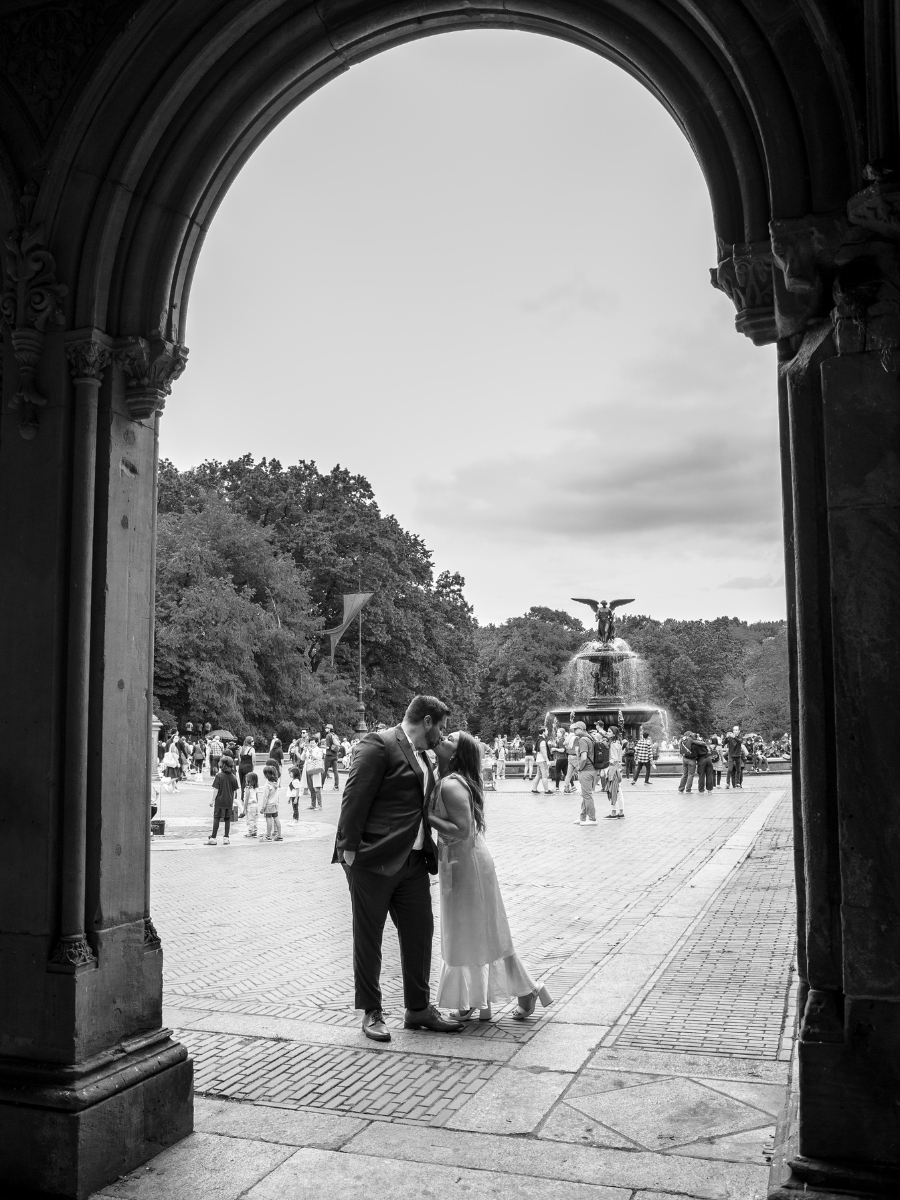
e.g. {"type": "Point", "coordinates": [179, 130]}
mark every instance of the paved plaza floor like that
{"type": "Point", "coordinates": [666, 940]}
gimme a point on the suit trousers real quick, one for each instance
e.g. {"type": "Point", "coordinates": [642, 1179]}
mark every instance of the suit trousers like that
{"type": "Point", "coordinates": [406, 896]}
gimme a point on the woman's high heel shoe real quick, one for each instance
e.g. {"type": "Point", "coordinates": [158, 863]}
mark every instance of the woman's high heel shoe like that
{"type": "Point", "coordinates": [465, 1014]}
{"type": "Point", "coordinates": [527, 1003]}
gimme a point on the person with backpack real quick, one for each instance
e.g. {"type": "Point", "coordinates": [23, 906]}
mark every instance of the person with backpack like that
{"type": "Point", "coordinates": [529, 756]}
{"type": "Point", "coordinates": [587, 772]}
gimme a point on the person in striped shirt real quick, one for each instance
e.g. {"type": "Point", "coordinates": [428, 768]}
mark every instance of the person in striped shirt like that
{"type": "Point", "coordinates": [643, 758]}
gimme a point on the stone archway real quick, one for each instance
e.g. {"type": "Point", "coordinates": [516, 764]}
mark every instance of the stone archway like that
{"type": "Point", "coordinates": [122, 126]}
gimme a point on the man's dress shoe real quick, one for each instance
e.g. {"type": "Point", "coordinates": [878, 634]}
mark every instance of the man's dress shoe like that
{"type": "Point", "coordinates": [430, 1018]}
{"type": "Point", "coordinates": [373, 1026]}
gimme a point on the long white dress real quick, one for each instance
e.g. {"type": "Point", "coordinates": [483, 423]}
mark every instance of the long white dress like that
{"type": "Point", "coordinates": [480, 962]}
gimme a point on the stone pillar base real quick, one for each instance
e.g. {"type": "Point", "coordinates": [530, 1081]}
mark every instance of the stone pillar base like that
{"type": "Point", "coordinates": [814, 1179]}
{"type": "Point", "coordinates": [70, 1130]}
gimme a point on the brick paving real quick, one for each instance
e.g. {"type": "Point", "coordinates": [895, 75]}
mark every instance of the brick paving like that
{"type": "Point", "coordinates": [407, 1087]}
{"type": "Point", "coordinates": [725, 990]}
{"type": "Point", "coordinates": [262, 930]}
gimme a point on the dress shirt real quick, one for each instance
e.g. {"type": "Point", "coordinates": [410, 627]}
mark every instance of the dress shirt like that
{"type": "Point", "coordinates": [419, 843]}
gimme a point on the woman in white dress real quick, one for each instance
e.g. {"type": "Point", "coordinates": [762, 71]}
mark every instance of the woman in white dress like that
{"type": "Point", "coordinates": [480, 963]}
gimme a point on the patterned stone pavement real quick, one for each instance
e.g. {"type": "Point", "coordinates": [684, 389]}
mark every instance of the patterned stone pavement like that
{"type": "Point", "coordinates": [666, 940]}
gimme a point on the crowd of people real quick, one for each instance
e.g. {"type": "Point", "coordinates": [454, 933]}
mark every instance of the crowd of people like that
{"type": "Point", "coordinates": [246, 784]}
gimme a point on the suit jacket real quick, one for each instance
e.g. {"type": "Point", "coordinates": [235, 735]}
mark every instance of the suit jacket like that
{"type": "Point", "coordinates": [384, 800]}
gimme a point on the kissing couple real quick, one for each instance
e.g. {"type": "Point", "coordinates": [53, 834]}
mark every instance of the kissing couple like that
{"type": "Point", "coordinates": [404, 783]}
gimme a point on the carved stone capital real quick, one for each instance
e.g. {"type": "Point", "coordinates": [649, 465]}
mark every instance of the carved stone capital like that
{"type": "Point", "coordinates": [744, 274]}
{"type": "Point", "coordinates": [29, 304]}
{"type": "Point", "coordinates": [805, 252]}
{"type": "Point", "coordinates": [72, 954]}
{"type": "Point", "coordinates": [151, 366]}
{"type": "Point", "coordinates": [88, 352]}
{"type": "Point", "coordinates": [866, 313]}
{"type": "Point", "coordinates": [877, 208]}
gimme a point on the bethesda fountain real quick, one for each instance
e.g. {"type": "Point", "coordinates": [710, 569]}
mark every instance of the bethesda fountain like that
{"type": "Point", "coordinates": [603, 677]}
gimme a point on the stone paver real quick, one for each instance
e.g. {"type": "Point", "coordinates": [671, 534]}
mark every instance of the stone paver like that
{"type": "Point", "coordinates": [657, 1070]}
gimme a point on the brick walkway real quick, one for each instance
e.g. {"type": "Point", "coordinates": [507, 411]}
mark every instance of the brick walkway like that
{"type": "Point", "coordinates": [658, 1069]}
{"type": "Point", "coordinates": [725, 991]}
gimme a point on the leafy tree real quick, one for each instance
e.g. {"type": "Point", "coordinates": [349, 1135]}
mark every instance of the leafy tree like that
{"type": "Point", "coordinates": [418, 632]}
{"type": "Point", "coordinates": [520, 663]}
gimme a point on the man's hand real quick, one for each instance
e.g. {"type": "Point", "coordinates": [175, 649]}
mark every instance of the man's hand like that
{"type": "Point", "coordinates": [348, 856]}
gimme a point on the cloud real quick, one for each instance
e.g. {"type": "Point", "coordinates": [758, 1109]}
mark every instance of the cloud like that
{"type": "Point", "coordinates": [559, 304]}
{"type": "Point", "coordinates": [682, 451]}
{"type": "Point", "coordinates": [747, 582]}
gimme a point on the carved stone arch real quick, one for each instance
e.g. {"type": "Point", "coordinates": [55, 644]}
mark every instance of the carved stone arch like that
{"type": "Point", "coordinates": [168, 120]}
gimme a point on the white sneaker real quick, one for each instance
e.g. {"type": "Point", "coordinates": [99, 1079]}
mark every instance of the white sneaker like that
{"type": "Point", "coordinates": [591, 821]}
{"type": "Point", "coordinates": [226, 842]}
{"type": "Point", "coordinates": [578, 821]}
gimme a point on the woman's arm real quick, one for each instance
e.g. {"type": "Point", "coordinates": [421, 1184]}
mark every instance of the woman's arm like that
{"type": "Point", "coordinates": [457, 825]}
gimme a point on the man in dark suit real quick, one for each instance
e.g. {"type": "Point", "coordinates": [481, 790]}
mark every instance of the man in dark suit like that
{"type": "Point", "coordinates": [384, 844]}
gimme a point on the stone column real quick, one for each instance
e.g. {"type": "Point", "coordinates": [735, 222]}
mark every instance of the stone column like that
{"type": "Point", "coordinates": [90, 1083]}
{"type": "Point", "coordinates": [843, 414]}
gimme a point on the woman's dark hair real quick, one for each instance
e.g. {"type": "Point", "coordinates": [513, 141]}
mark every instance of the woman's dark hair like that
{"type": "Point", "coordinates": [251, 780]}
{"type": "Point", "coordinates": [226, 763]}
{"type": "Point", "coordinates": [466, 761]}
{"type": "Point", "coordinates": [294, 772]}
{"type": "Point", "coordinates": [426, 706]}
{"type": "Point", "coordinates": [270, 773]}
{"type": "Point", "coordinates": [276, 743]}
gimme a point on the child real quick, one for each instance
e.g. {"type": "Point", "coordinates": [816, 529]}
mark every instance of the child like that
{"type": "Point", "coordinates": [251, 802]}
{"type": "Point", "coordinates": [199, 756]}
{"type": "Point", "coordinates": [225, 786]}
{"type": "Point", "coordinates": [294, 790]}
{"type": "Point", "coordinates": [315, 771]}
{"type": "Point", "coordinates": [268, 805]}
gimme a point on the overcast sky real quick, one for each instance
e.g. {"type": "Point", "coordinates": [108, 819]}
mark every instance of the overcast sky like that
{"type": "Point", "coordinates": [475, 270]}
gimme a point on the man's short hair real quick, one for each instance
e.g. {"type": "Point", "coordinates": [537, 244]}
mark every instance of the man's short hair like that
{"type": "Point", "coordinates": [426, 706]}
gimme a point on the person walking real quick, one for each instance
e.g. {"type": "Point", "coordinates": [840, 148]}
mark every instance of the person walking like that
{"type": "Point", "coordinates": [480, 965]}
{"type": "Point", "coordinates": [706, 779]}
{"type": "Point", "coordinates": [246, 761]}
{"type": "Point", "coordinates": [542, 763]}
{"type": "Point", "coordinates": [735, 745]}
{"type": "Point", "coordinates": [528, 747]}
{"type": "Point", "coordinates": [170, 767]}
{"type": "Point", "coordinates": [216, 750]}
{"type": "Point", "coordinates": [315, 771]}
{"type": "Point", "coordinates": [587, 773]}
{"type": "Point", "coordinates": [268, 804]}
{"type": "Point", "coordinates": [688, 761]}
{"type": "Point", "coordinates": [614, 776]}
{"type": "Point", "coordinates": [643, 758]}
{"type": "Point", "coordinates": [294, 788]}
{"type": "Point", "coordinates": [627, 758]}
{"type": "Point", "coordinates": [386, 851]}
{"type": "Point", "coordinates": [500, 756]}
{"type": "Point", "coordinates": [332, 754]}
{"type": "Point", "coordinates": [561, 762]}
{"type": "Point", "coordinates": [571, 761]}
{"type": "Point", "coordinates": [251, 803]}
{"type": "Point", "coordinates": [225, 786]}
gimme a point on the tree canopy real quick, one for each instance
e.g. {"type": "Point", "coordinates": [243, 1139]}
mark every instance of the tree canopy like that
{"type": "Point", "coordinates": [253, 561]}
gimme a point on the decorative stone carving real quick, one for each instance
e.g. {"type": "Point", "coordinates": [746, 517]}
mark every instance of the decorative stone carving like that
{"type": "Point", "coordinates": [88, 357]}
{"type": "Point", "coordinates": [804, 252]}
{"type": "Point", "coordinates": [151, 366]}
{"type": "Point", "coordinates": [152, 939]}
{"type": "Point", "coordinates": [41, 49]}
{"type": "Point", "coordinates": [877, 207]}
{"type": "Point", "coordinates": [72, 953]}
{"type": "Point", "coordinates": [29, 304]}
{"type": "Point", "coordinates": [744, 274]}
{"type": "Point", "coordinates": [866, 314]}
